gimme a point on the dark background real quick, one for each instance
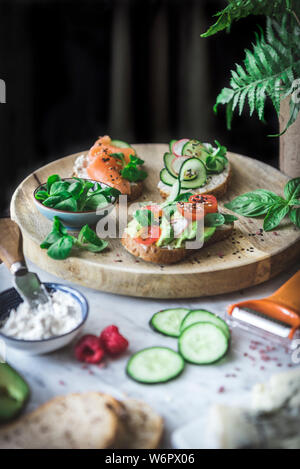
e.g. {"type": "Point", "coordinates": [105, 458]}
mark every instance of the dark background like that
{"type": "Point", "coordinates": [135, 69]}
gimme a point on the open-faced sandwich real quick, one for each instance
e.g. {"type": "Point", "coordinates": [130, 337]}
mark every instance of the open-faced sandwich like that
{"type": "Point", "coordinates": [115, 163]}
{"type": "Point", "coordinates": [201, 167]}
{"type": "Point", "coordinates": [160, 233]}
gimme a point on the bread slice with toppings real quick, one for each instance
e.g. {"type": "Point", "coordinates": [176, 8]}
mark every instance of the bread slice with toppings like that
{"type": "Point", "coordinates": [167, 255]}
{"type": "Point", "coordinates": [217, 185]}
{"type": "Point", "coordinates": [79, 170]}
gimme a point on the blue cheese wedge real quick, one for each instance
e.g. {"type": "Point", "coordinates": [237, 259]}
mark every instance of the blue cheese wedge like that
{"type": "Point", "coordinates": [272, 423]}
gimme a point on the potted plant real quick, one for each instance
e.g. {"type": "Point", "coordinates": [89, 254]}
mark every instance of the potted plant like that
{"type": "Point", "coordinates": [271, 70]}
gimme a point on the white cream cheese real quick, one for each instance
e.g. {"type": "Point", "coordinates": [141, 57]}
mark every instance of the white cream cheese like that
{"type": "Point", "coordinates": [80, 166]}
{"type": "Point", "coordinates": [57, 317]}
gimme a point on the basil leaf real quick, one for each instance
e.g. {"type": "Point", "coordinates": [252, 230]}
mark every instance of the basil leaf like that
{"type": "Point", "coordinates": [214, 219]}
{"type": "Point", "coordinates": [275, 215]}
{"type": "Point", "coordinates": [96, 202]}
{"type": "Point", "coordinates": [229, 218]}
{"type": "Point", "coordinates": [292, 189]}
{"type": "Point", "coordinates": [268, 196]}
{"type": "Point", "coordinates": [254, 204]}
{"type": "Point", "coordinates": [61, 249]}
{"type": "Point", "coordinates": [69, 205]}
{"type": "Point", "coordinates": [144, 217]}
{"type": "Point", "coordinates": [51, 180]}
{"type": "Point", "coordinates": [295, 216]}
{"type": "Point", "coordinates": [41, 195]}
{"type": "Point", "coordinates": [247, 207]}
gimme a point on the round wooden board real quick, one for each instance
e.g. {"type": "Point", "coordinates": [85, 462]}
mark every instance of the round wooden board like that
{"type": "Point", "coordinates": [246, 259]}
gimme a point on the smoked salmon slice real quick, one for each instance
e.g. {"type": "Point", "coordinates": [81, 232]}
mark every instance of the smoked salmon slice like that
{"type": "Point", "coordinates": [105, 168]}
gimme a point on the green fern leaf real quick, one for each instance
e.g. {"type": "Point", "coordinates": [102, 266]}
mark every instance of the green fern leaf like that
{"type": "Point", "coordinates": [238, 9]}
{"type": "Point", "coordinates": [269, 71]}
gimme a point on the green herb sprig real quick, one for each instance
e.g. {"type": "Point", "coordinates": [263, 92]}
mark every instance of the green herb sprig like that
{"type": "Point", "coordinates": [59, 242]}
{"type": "Point", "coordinates": [77, 195]}
{"type": "Point", "coordinates": [275, 208]}
{"type": "Point", "coordinates": [132, 172]}
{"type": "Point", "coordinates": [216, 159]}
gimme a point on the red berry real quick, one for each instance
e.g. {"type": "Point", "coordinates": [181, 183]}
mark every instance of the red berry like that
{"type": "Point", "coordinates": [112, 341]}
{"type": "Point", "coordinates": [88, 349]}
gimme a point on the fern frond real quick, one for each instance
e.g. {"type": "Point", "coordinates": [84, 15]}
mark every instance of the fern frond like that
{"type": "Point", "coordinates": [238, 9]}
{"type": "Point", "coordinates": [269, 71]}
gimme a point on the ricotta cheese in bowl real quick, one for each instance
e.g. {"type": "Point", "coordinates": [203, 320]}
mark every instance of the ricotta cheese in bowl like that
{"type": "Point", "coordinates": [48, 327]}
{"type": "Point", "coordinates": [57, 317]}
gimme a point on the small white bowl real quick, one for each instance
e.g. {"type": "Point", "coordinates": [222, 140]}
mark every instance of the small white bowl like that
{"type": "Point", "coordinates": [10, 299]}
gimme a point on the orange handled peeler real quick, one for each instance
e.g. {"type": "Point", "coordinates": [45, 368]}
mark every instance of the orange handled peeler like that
{"type": "Point", "coordinates": [277, 315]}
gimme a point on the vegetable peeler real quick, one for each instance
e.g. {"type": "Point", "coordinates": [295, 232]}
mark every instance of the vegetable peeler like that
{"type": "Point", "coordinates": [26, 283]}
{"type": "Point", "coordinates": [276, 317]}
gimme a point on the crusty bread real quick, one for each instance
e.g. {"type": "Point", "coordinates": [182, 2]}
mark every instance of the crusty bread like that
{"type": "Point", "coordinates": [158, 255]}
{"type": "Point", "coordinates": [85, 421]}
{"type": "Point", "coordinates": [75, 421]}
{"type": "Point", "coordinates": [142, 428]}
{"type": "Point", "coordinates": [217, 185]}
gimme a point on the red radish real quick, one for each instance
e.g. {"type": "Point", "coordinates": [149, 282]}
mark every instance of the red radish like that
{"type": "Point", "coordinates": [178, 146]}
{"type": "Point", "coordinates": [177, 163]}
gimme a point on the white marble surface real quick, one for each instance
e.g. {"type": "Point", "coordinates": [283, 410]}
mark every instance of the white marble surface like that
{"type": "Point", "coordinates": [179, 401]}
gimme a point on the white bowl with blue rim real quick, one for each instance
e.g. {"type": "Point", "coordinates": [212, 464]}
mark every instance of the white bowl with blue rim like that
{"type": "Point", "coordinates": [75, 220]}
{"type": "Point", "coordinates": [10, 299]}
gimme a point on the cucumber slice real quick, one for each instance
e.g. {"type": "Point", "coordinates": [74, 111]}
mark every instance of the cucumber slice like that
{"type": "Point", "coordinates": [171, 145]}
{"type": "Point", "coordinates": [167, 178]}
{"type": "Point", "coordinates": [168, 321]}
{"type": "Point", "coordinates": [155, 365]}
{"type": "Point", "coordinates": [168, 159]}
{"type": "Point", "coordinates": [201, 315]}
{"type": "Point", "coordinates": [175, 191]}
{"type": "Point", "coordinates": [196, 149]}
{"type": "Point", "coordinates": [203, 343]}
{"type": "Point", "coordinates": [120, 144]}
{"type": "Point", "coordinates": [196, 169]}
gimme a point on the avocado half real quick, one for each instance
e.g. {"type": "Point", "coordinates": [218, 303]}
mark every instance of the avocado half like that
{"type": "Point", "coordinates": [14, 392]}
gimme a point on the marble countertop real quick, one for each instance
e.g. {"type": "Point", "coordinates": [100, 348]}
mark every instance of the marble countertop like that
{"type": "Point", "coordinates": [179, 401]}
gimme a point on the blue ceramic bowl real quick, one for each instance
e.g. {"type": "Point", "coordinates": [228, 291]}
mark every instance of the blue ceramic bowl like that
{"type": "Point", "coordinates": [74, 220]}
{"type": "Point", "coordinates": [10, 299]}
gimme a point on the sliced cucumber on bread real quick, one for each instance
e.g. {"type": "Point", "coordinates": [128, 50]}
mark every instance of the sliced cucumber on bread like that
{"type": "Point", "coordinates": [210, 176]}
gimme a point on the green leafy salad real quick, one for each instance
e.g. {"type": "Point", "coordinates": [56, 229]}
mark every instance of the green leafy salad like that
{"type": "Point", "coordinates": [75, 194]}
